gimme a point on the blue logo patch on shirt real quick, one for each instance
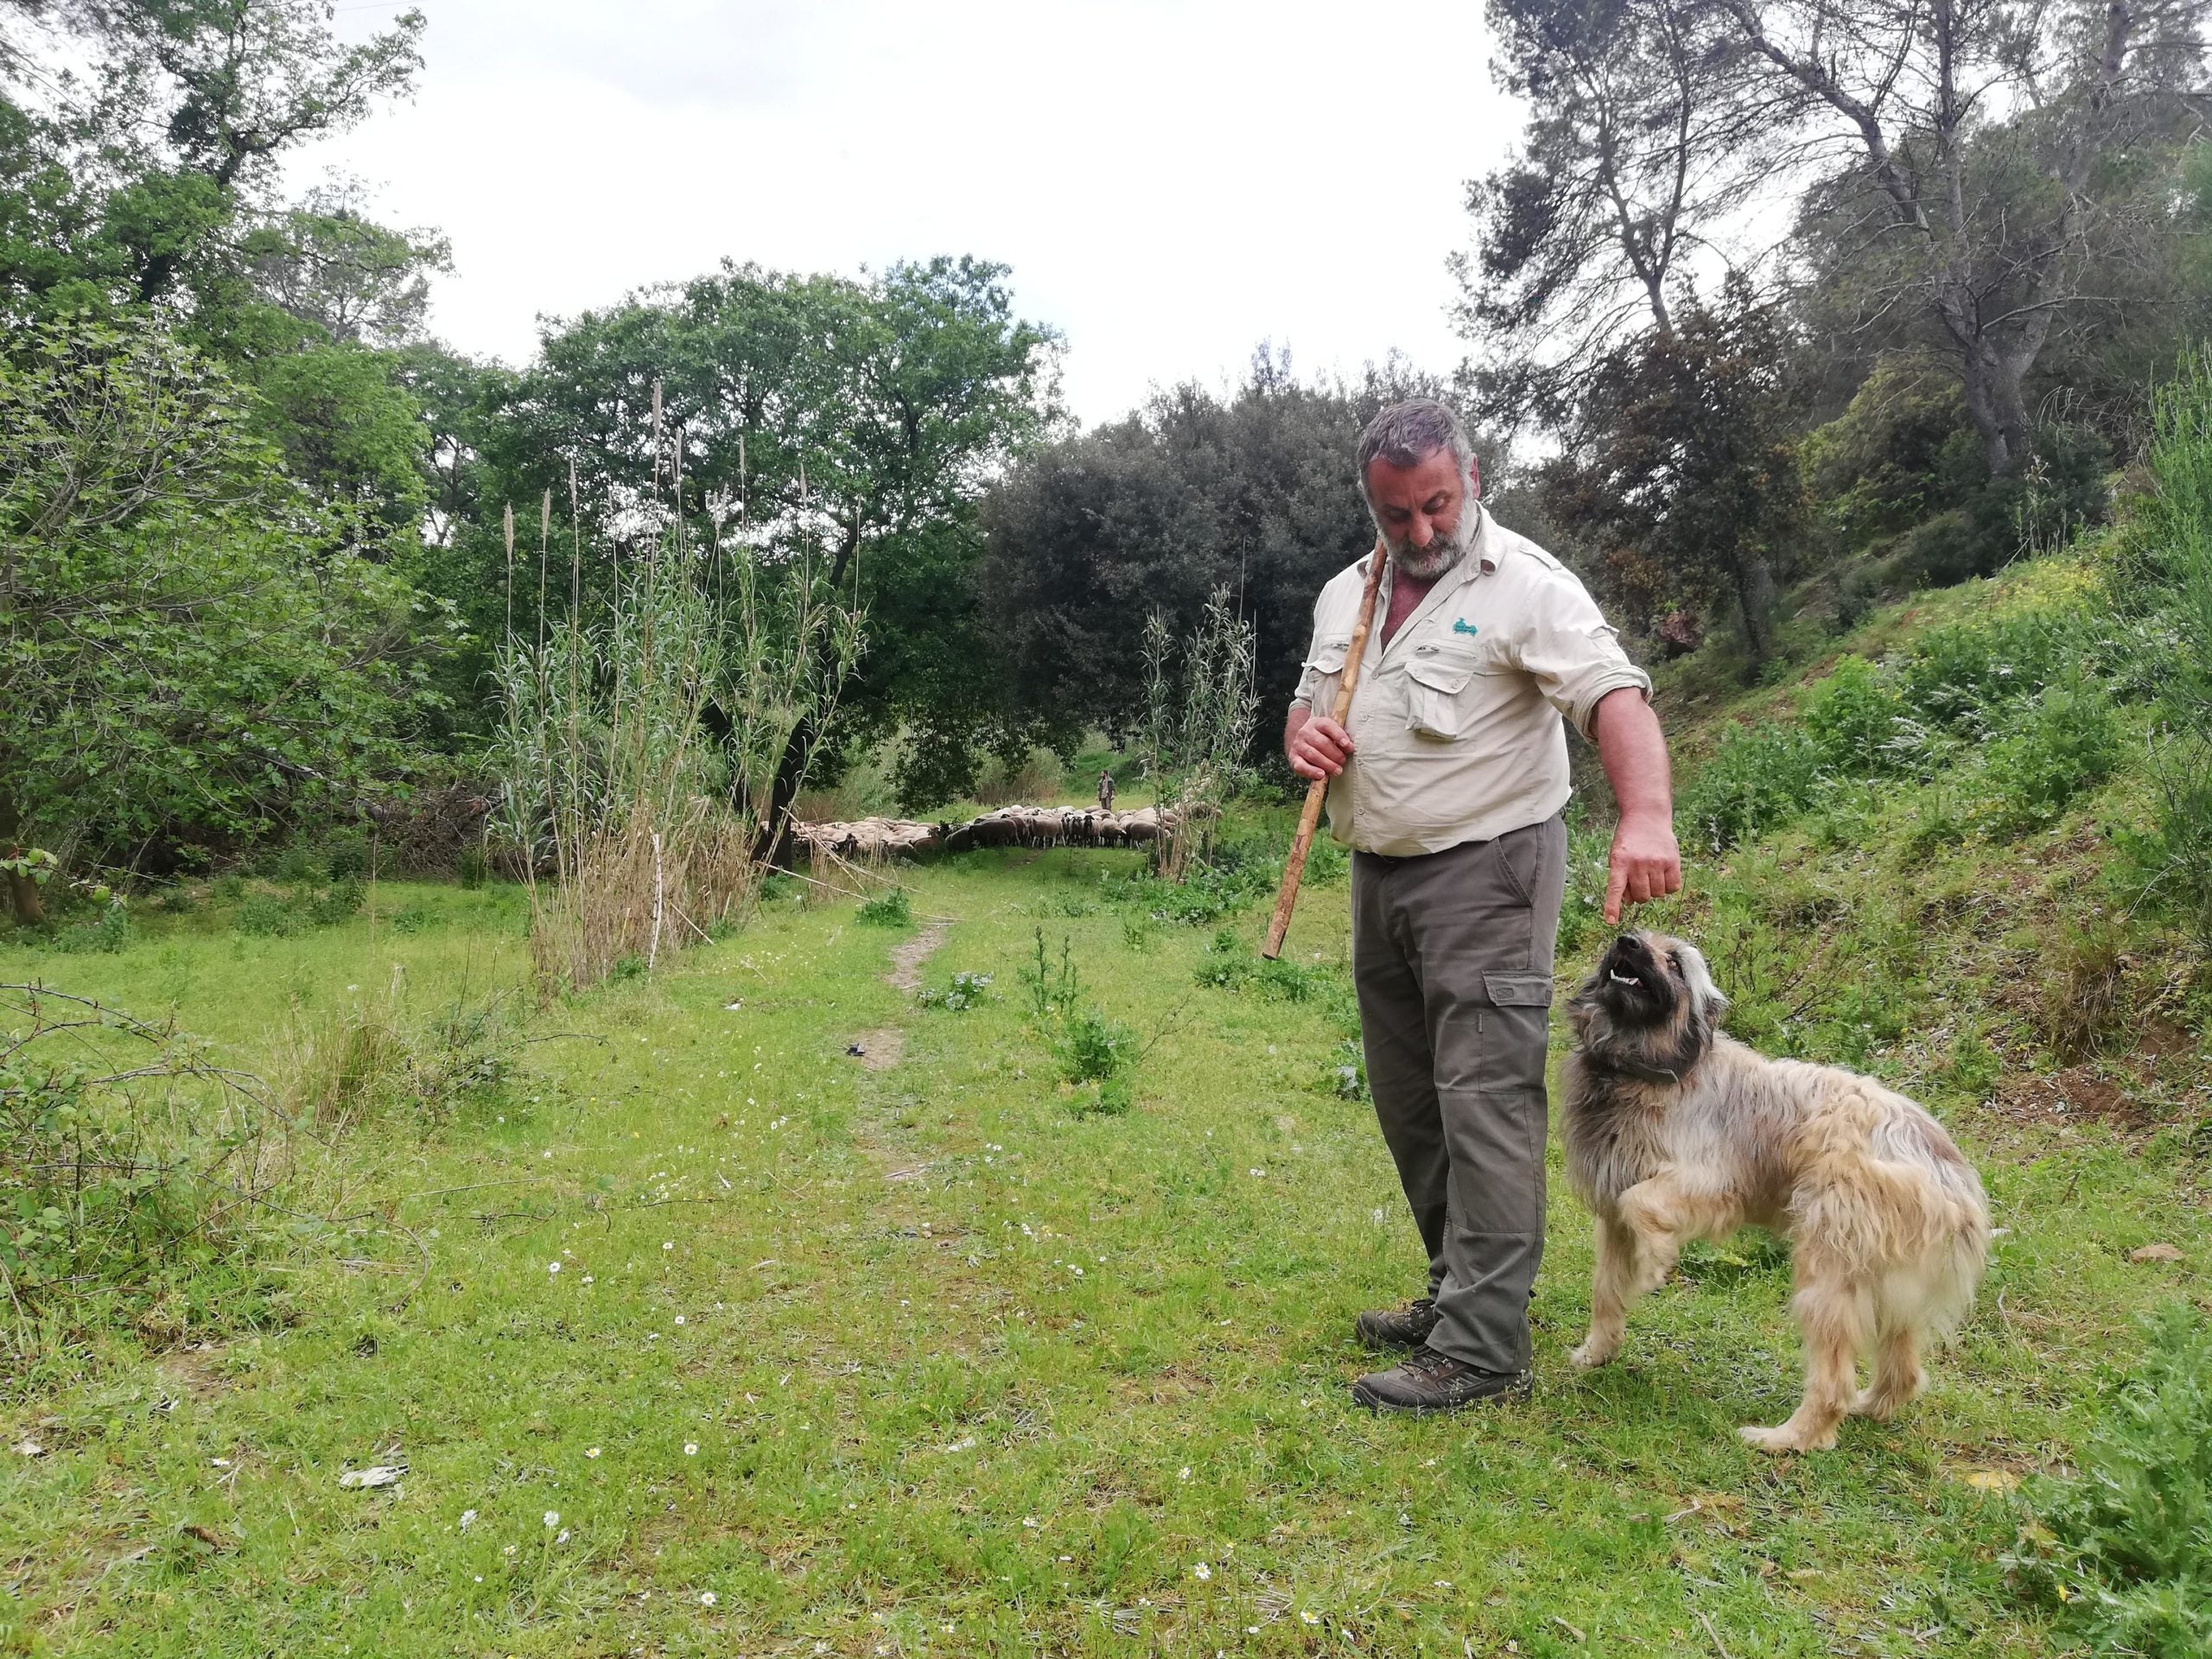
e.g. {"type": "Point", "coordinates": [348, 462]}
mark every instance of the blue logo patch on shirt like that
{"type": "Point", "coordinates": [1463, 626]}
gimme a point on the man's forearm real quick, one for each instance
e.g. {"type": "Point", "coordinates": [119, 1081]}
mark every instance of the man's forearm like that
{"type": "Point", "coordinates": [1634, 752]}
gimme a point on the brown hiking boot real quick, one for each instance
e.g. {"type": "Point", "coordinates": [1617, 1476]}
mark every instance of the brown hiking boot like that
{"type": "Point", "coordinates": [1398, 1327]}
{"type": "Point", "coordinates": [1429, 1381]}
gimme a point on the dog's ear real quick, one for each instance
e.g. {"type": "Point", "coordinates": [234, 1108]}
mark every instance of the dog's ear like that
{"type": "Point", "coordinates": [1705, 998]}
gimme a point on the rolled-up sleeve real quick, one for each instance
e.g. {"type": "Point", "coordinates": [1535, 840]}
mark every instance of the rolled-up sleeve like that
{"type": "Point", "coordinates": [1574, 654]}
{"type": "Point", "coordinates": [1317, 665]}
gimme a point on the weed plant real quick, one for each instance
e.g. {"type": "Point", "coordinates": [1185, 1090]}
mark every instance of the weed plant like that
{"type": "Point", "coordinates": [1198, 726]}
{"type": "Point", "coordinates": [2121, 1551]}
{"type": "Point", "coordinates": [1093, 1053]}
{"type": "Point", "coordinates": [107, 933]}
{"type": "Point", "coordinates": [373, 1059]}
{"type": "Point", "coordinates": [637, 750]}
{"type": "Point", "coordinates": [889, 908]}
{"type": "Point", "coordinates": [134, 1173]}
{"type": "Point", "coordinates": [1759, 776]}
{"type": "Point", "coordinates": [2172, 551]}
{"type": "Point", "coordinates": [968, 990]}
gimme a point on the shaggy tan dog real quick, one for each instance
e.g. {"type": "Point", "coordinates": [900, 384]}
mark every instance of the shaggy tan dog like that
{"type": "Point", "coordinates": [1676, 1132]}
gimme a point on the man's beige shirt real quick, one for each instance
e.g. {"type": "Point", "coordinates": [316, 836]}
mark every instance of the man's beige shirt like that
{"type": "Point", "coordinates": [1455, 723]}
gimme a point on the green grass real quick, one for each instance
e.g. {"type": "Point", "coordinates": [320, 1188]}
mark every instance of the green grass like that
{"type": "Point", "coordinates": [969, 1370]}
{"type": "Point", "coordinates": [981, 1351]}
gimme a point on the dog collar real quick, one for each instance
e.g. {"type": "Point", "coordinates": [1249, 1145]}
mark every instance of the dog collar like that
{"type": "Point", "coordinates": [1636, 1069]}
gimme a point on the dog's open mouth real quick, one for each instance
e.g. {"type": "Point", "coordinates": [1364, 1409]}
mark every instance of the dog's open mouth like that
{"type": "Point", "coordinates": [1623, 979]}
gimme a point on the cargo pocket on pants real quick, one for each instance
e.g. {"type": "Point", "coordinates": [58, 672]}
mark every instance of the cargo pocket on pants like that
{"type": "Point", "coordinates": [1517, 1029]}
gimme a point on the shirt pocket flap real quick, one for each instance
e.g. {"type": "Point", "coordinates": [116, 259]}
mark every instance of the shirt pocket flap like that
{"type": "Point", "coordinates": [1329, 655]}
{"type": "Point", "coordinates": [1518, 990]}
{"type": "Point", "coordinates": [1447, 671]}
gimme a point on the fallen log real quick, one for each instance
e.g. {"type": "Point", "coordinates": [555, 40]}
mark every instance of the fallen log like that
{"type": "Point", "coordinates": [1007, 826]}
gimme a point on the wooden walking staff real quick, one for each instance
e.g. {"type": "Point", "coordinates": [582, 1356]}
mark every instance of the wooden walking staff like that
{"type": "Point", "coordinates": [1294, 867]}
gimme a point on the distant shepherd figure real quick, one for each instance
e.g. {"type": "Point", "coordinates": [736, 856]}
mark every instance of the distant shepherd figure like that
{"type": "Point", "coordinates": [1105, 791]}
{"type": "Point", "coordinates": [1448, 786]}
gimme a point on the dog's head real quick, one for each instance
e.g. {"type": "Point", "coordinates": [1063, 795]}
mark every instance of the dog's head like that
{"type": "Point", "coordinates": [1652, 1000]}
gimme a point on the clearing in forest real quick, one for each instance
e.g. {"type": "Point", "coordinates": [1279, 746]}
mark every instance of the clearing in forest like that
{"type": "Point", "coordinates": [673, 1367]}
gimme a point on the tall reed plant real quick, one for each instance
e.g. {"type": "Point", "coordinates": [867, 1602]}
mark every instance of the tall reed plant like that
{"type": "Point", "coordinates": [1200, 714]}
{"type": "Point", "coordinates": [639, 750]}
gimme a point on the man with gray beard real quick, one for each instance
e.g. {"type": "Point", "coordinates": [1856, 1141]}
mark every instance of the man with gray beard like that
{"type": "Point", "coordinates": [1448, 785]}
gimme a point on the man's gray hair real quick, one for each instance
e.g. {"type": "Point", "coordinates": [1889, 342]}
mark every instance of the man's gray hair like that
{"type": "Point", "coordinates": [1407, 434]}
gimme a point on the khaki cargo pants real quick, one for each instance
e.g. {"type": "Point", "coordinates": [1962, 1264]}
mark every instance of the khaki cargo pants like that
{"type": "Point", "coordinates": [1452, 957]}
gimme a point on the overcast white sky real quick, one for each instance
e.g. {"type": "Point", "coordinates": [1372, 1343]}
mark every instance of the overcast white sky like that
{"type": "Point", "coordinates": [1172, 180]}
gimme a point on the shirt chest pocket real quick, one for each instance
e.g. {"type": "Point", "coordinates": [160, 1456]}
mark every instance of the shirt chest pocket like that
{"type": "Point", "coordinates": [1441, 688]}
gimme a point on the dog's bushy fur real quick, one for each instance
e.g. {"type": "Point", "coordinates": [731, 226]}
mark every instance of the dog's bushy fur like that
{"type": "Point", "coordinates": [1675, 1131]}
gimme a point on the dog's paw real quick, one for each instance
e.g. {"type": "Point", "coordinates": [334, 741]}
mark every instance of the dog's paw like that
{"type": "Point", "coordinates": [1785, 1437]}
{"type": "Point", "coordinates": [1594, 1352]}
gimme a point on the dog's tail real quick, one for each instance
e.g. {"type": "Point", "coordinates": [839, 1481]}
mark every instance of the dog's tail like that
{"type": "Point", "coordinates": [1907, 1222]}
{"type": "Point", "coordinates": [1932, 1287]}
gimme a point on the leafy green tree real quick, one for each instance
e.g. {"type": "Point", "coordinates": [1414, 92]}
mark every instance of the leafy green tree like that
{"type": "Point", "coordinates": [1681, 473]}
{"type": "Point", "coordinates": [351, 282]}
{"type": "Point", "coordinates": [145, 183]}
{"type": "Point", "coordinates": [1978, 166]}
{"type": "Point", "coordinates": [350, 430]}
{"type": "Point", "coordinates": [862, 419]}
{"type": "Point", "coordinates": [182, 656]}
{"type": "Point", "coordinates": [1089, 535]}
{"type": "Point", "coordinates": [1635, 162]}
{"type": "Point", "coordinates": [135, 181]}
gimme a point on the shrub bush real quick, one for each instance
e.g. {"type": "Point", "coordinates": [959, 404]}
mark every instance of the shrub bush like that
{"type": "Point", "coordinates": [1965, 676]}
{"type": "Point", "coordinates": [2173, 546]}
{"type": "Point", "coordinates": [2084, 1000]}
{"type": "Point", "coordinates": [371, 1058]}
{"type": "Point", "coordinates": [1094, 1054]}
{"type": "Point", "coordinates": [2118, 1552]}
{"type": "Point", "coordinates": [1760, 776]}
{"type": "Point", "coordinates": [339, 902]}
{"type": "Point", "coordinates": [1348, 1071]}
{"type": "Point", "coordinates": [1856, 719]}
{"type": "Point", "coordinates": [131, 1164]}
{"type": "Point", "coordinates": [2066, 741]}
{"type": "Point", "coordinates": [266, 915]}
{"type": "Point", "coordinates": [1090, 1047]}
{"type": "Point", "coordinates": [346, 855]}
{"type": "Point", "coordinates": [105, 933]}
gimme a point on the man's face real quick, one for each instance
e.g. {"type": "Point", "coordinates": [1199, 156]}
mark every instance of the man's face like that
{"type": "Point", "coordinates": [1419, 509]}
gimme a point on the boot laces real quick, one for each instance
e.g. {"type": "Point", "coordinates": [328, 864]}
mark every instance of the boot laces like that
{"type": "Point", "coordinates": [1429, 1363]}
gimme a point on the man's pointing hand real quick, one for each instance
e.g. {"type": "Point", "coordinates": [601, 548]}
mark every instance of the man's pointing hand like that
{"type": "Point", "coordinates": [1646, 864]}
